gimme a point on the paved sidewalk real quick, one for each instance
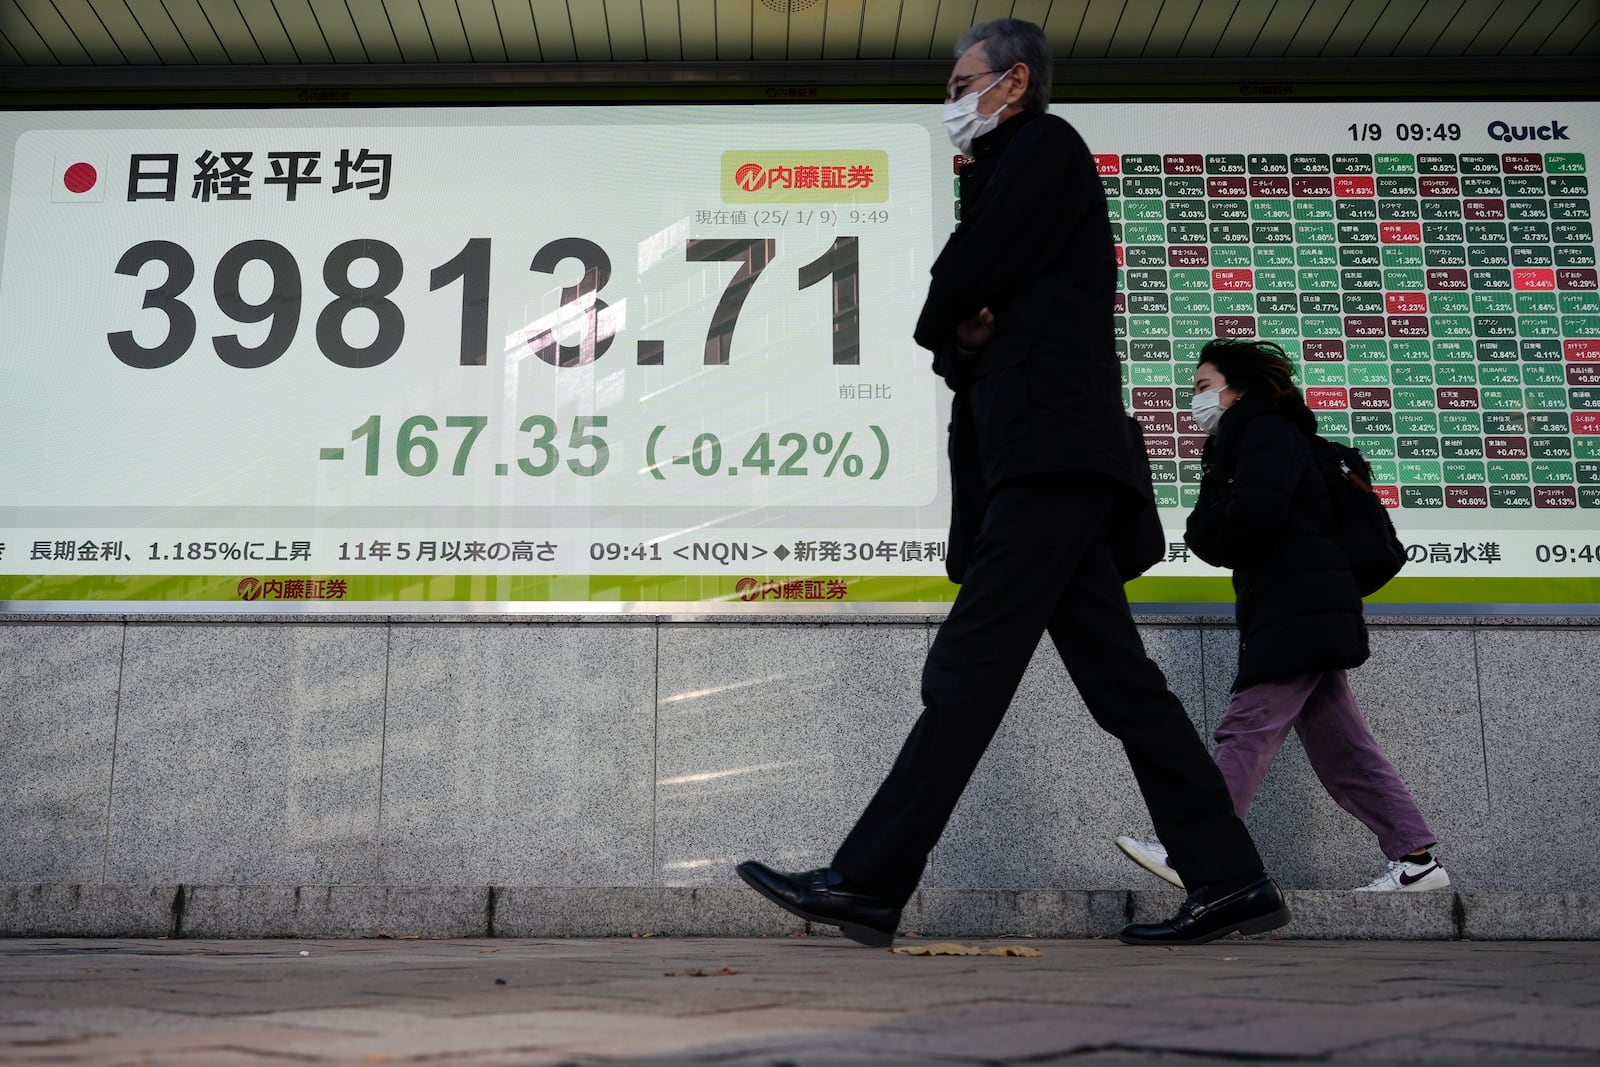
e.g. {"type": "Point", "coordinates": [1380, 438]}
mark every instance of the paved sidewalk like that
{"type": "Point", "coordinates": [800, 1001]}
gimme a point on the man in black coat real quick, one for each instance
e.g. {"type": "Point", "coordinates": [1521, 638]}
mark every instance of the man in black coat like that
{"type": "Point", "coordinates": [1049, 484]}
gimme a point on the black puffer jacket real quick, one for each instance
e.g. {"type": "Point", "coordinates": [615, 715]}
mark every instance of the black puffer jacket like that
{"type": "Point", "coordinates": [1262, 511]}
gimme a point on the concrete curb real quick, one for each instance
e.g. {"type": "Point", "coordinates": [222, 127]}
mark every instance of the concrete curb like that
{"type": "Point", "coordinates": [355, 911]}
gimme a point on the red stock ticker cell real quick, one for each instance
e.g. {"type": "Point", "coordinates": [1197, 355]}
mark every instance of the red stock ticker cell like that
{"type": "Point", "coordinates": [1536, 278]}
{"type": "Point", "coordinates": [1348, 185]}
{"type": "Point", "coordinates": [1408, 303]}
{"type": "Point", "coordinates": [1327, 398]}
{"type": "Point", "coordinates": [1586, 422]}
{"type": "Point", "coordinates": [1389, 494]}
{"type": "Point", "coordinates": [1232, 279]}
{"type": "Point", "coordinates": [1581, 350]}
{"type": "Point", "coordinates": [1108, 166]}
{"type": "Point", "coordinates": [1400, 233]}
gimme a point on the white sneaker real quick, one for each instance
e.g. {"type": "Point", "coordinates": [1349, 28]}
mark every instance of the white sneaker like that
{"type": "Point", "coordinates": [1403, 876]}
{"type": "Point", "coordinates": [1151, 856]}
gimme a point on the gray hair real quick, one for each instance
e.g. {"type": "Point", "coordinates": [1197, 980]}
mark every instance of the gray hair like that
{"type": "Point", "coordinates": [1008, 42]}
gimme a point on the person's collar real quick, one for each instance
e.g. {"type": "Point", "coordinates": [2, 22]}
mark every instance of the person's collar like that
{"type": "Point", "coordinates": [995, 141]}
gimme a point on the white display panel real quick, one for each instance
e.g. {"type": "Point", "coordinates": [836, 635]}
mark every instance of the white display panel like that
{"type": "Point", "coordinates": [560, 358]}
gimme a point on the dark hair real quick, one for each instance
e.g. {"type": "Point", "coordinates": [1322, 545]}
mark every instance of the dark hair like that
{"type": "Point", "coordinates": [1008, 42]}
{"type": "Point", "coordinates": [1252, 365]}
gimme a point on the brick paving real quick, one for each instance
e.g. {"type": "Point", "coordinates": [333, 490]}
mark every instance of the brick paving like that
{"type": "Point", "coordinates": [796, 1001]}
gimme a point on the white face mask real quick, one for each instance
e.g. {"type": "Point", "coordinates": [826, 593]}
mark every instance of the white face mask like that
{"type": "Point", "coordinates": [965, 123]}
{"type": "Point", "coordinates": [1207, 409]}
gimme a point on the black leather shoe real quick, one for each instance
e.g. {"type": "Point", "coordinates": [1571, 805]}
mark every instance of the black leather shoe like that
{"type": "Point", "coordinates": [820, 896]}
{"type": "Point", "coordinates": [1207, 915]}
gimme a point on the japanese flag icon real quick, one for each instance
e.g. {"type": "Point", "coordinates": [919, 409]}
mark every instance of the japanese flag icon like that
{"type": "Point", "coordinates": [79, 179]}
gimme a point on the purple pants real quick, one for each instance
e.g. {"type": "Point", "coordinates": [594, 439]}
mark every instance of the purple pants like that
{"type": "Point", "coordinates": [1342, 750]}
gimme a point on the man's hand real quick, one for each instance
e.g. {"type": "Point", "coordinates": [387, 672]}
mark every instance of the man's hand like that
{"type": "Point", "coordinates": [974, 333]}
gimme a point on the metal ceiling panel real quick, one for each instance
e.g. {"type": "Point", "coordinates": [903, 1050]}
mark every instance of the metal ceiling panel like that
{"type": "Point", "coordinates": [304, 33]}
{"type": "Point", "coordinates": [913, 38]}
{"type": "Point", "coordinates": [880, 22]}
{"type": "Point", "coordinates": [9, 56]}
{"type": "Point", "coordinates": [1348, 37]}
{"type": "Point", "coordinates": [339, 30]}
{"type": "Point", "coordinates": [1133, 30]}
{"type": "Point", "coordinates": [515, 18]}
{"type": "Point", "coordinates": [1568, 37]}
{"type": "Point", "coordinates": [1312, 34]}
{"type": "Point", "coordinates": [1391, 27]}
{"type": "Point", "coordinates": [590, 36]}
{"type": "Point", "coordinates": [1462, 29]}
{"type": "Point", "coordinates": [1034, 11]}
{"type": "Point", "coordinates": [445, 30]}
{"type": "Point", "coordinates": [118, 22]}
{"type": "Point", "coordinates": [1420, 38]}
{"type": "Point", "coordinates": [373, 26]}
{"type": "Point", "coordinates": [955, 17]}
{"type": "Point", "coordinates": [1239, 36]}
{"type": "Point", "coordinates": [90, 33]}
{"type": "Point", "coordinates": [1280, 27]}
{"type": "Point", "coordinates": [234, 36]}
{"type": "Point", "coordinates": [480, 25]}
{"type": "Point", "coordinates": [807, 28]}
{"type": "Point", "coordinates": [198, 34]}
{"type": "Point", "coordinates": [663, 42]}
{"type": "Point", "coordinates": [625, 24]}
{"type": "Point", "coordinates": [162, 34]}
{"type": "Point", "coordinates": [769, 32]}
{"type": "Point", "coordinates": [1210, 23]}
{"type": "Point", "coordinates": [698, 34]}
{"type": "Point", "coordinates": [266, 32]}
{"type": "Point", "coordinates": [1061, 24]}
{"type": "Point", "coordinates": [733, 29]}
{"type": "Point", "coordinates": [841, 35]}
{"type": "Point", "coordinates": [1541, 22]}
{"type": "Point", "coordinates": [554, 27]}
{"type": "Point", "coordinates": [53, 32]}
{"type": "Point", "coordinates": [1171, 27]}
{"type": "Point", "coordinates": [1095, 32]}
{"type": "Point", "coordinates": [988, 10]}
{"type": "Point", "coordinates": [1590, 45]}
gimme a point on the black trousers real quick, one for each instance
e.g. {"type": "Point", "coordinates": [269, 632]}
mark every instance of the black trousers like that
{"type": "Point", "coordinates": [1040, 563]}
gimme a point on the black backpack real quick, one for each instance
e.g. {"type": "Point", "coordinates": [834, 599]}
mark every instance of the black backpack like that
{"type": "Point", "coordinates": [1361, 525]}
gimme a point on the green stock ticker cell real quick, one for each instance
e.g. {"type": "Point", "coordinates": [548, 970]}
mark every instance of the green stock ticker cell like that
{"type": "Point", "coordinates": [1404, 256]}
{"type": "Point", "coordinates": [1500, 399]}
{"type": "Point", "coordinates": [1315, 374]}
{"type": "Point", "coordinates": [1413, 399]}
{"type": "Point", "coordinates": [1579, 303]}
{"type": "Point", "coordinates": [1552, 472]}
{"type": "Point", "coordinates": [1272, 256]}
{"type": "Point", "coordinates": [1366, 350]}
{"type": "Point", "coordinates": [1323, 255]}
{"type": "Point", "coordinates": [1464, 472]}
{"type": "Point", "coordinates": [1313, 210]}
{"type": "Point", "coordinates": [1461, 447]}
{"type": "Point", "coordinates": [1460, 422]}
{"type": "Point", "coordinates": [1537, 304]}
{"type": "Point", "coordinates": [1321, 327]}
{"type": "Point", "coordinates": [1455, 374]}
{"type": "Point", "coordinates": [1368, 373]}
{"type": "Point", "coordinates": [1317, 280]}
{"type": "Point", "coordinates": [1586, 448]}
{"type": "Point", "coordinates": [1375, 447]}
{"type": "Point", "coordinates": [1416, 422]}
{"type": "Point", "coordinates": [1238, 255]}
{"type": "Point", "coordinates": [1493, 303]}
{"type": "Point", "coordinates": [1407, 350]}
{"type": "Point", "coordinates": [1449, 303]}
{"type": "Point", "coordinates": [1580, 326]}
{"type": "Point", "coordinates": [1445, 350]}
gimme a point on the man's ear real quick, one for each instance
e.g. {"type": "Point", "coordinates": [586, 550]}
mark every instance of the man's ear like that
{"type": "Point", "coordinates": [1017, 83]}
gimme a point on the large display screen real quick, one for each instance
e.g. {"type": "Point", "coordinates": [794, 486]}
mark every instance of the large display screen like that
{"type": "Point", "coordinates": [659, 357]}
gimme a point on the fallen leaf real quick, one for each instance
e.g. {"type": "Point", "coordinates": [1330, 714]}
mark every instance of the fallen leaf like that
{"type": "Point", "coordinates": [938, 948]}
{"type": "Point", "coordinates": [1014, 950]}
{"type": "Point", "coordinates": [487, 951]}
{"type": "Point", "coordinates": [700, 972]}
{"type": "Point", "coordinates": [411, 937]}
